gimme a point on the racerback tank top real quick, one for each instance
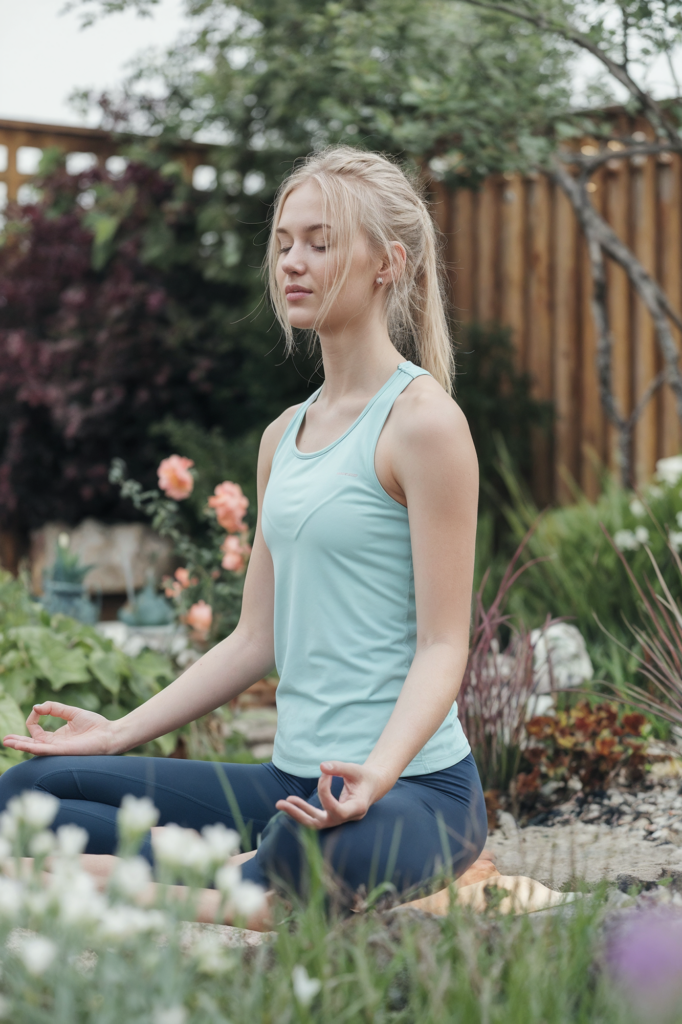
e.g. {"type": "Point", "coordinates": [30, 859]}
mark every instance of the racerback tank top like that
{"type": "Point", "coordinates": [345, 619]}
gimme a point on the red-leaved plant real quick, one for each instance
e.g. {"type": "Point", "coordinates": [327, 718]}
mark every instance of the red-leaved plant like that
{"type": "Point", "coordinates": [498, 681]}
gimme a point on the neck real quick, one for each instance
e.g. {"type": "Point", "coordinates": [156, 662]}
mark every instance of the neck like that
{"type": "Point", "coordinates": [359, 358]}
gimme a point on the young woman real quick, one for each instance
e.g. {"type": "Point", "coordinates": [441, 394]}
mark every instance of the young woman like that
{"type": "Point", "coordinates": [358, 588]}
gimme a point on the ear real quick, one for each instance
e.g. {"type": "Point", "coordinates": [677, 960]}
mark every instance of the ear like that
{"type": "Point", "coordinates": [393, 264]}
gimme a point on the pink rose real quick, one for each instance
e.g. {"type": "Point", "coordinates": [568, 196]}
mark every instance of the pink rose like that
{"type": "Point", "coordinates": [175, 478]}
{"type": "Point", "coordinates": [171, 588]}
{"type": "Point", "coordinates": [184, 579]}
{"type": "Point", "coordinates": [199, 618]}
{"type": "Point", "coordinates": [230, 504]}
{"type": "Point", "coordinates": [235, 552]}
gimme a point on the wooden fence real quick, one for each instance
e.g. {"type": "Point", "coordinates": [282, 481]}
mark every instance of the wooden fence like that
{"type": "Point", "coordinates": [516, 255]}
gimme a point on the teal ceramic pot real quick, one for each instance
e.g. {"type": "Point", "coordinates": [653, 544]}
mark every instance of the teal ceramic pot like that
{"type": "Point", "coordinates": [69, 599]}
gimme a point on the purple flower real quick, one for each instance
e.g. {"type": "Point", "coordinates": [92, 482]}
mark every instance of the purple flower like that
{"type": "Point", "coordinates": [644, 956]}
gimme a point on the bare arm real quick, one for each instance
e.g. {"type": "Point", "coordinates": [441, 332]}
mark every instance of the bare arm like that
{"type": "Point", "coordinates": [426, 459]}
{"type": "Point", "coordinates": [223, 672]}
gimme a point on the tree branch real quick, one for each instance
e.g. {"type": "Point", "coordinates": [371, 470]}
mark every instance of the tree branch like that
{"type": "Point", "coordinates": [573, 35]}
{"type": "Point", "coordinates": [597, 231]}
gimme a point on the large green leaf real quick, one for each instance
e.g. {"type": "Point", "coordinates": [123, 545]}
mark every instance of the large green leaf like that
{"type": "Point", "coordinates": [106, 666]}
{"type": "Point", "coordinates": [12, 718]}
{"type": "Point", "coordinates": [52, 659]}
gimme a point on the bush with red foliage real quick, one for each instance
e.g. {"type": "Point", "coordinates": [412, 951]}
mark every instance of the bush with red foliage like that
{"type": "Point", "coordinates": [121, 304]}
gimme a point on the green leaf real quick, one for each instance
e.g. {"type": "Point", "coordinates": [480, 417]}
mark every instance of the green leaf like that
{"type": "Point", "coordinates": [51, 657]}
{"type": "Point", "coordinates": [12, 718]}
{"type": "Point", "coordinates": [106, 667]}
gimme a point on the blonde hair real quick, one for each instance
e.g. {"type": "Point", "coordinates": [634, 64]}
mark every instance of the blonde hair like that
{"type": "Point", "coordinates": [367, 191]}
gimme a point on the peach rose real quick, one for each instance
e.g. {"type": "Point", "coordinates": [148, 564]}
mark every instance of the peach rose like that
{"type": "Point", "coordinates": [184, 578]}
{"type": "Point", "coordinates": [175, 479]}
{"type": "Point", "coordinates": [230, 504]}
{"type": "Point", "coordinates": [199, 619]}
{"type": "Point", "coordinates": [235, 553]}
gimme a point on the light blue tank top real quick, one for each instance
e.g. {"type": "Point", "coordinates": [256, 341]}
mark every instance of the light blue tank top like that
{"type": "Point", "coordinates": [345, 620]}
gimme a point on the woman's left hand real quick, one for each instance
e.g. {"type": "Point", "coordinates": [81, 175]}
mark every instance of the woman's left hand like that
{"type": "Point", "coordinates": [363, 785]}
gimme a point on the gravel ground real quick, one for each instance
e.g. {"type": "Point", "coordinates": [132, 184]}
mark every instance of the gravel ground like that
{"type": "Point", "coordinates": [635, 835]}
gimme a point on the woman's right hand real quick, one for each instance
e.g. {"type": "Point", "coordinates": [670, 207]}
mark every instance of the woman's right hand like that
{"type": "Point", "coordinates": [84, 733]}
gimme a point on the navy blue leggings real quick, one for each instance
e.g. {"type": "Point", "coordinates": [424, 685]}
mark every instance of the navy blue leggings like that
{"type": "Point", "coordinates": [424, 825]}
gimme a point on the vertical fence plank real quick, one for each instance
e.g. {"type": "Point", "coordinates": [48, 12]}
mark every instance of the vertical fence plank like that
{"type": "Point", "coordinates": [644, 361]}
{"type": "Point", "coordinates": [617, 186]}
{"type": "Point", "coordinates": [464, 252]}
{"type": "Point", "coordinates": [486, 303]}
{"type": "Point", "coordinates": [538, 319]}
{"type": "Point", "coordinates": [670, 277]}
{"type": "Point", "coordinates": [566, 430]}
{"type": "Point", "coordinates": [512, 263]}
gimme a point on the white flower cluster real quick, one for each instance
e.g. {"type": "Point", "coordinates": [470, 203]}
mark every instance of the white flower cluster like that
{"type": "Point", "coordinates": [180, 848]}
{"type": "Point", "coordinates": [70, 899]}
{"type": "Point", "coordinates": [669, 471]}
{"type": "Point", "coordinates": [631, 540]}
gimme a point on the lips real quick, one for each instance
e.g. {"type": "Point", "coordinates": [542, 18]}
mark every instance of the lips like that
{"type": "Point", "coordinates": [296, 289]}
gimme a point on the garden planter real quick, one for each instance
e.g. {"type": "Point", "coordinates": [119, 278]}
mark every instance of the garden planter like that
{"type": "Point", "coordinates": [69, 599]}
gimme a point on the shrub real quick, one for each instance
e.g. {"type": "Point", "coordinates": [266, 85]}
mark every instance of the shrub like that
{"type": "Point", "coordinates": [588, 744]}
{"type": "Point", "coordinates": [123, 301]}
{"type": "Point", "coordinates": [45, 657]}
{"type": "Point", "coordinates": [582, 576]}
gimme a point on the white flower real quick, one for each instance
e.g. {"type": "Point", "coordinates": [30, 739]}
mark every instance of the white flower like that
{"type": "Point", "coordinates": [37, 809]}
{"type": "Point", "coordinates": [123, 922]}
{"type": "Point", "coordinates": [654, 491]}
{"type": "Point", "coordinates": [136, 816]}
{"type": "Point", "coordinates": [222, 842]}
{"type": "Point", "coordinates": [247, 899]}
{"type": "Point", "coordinates": [642, 535]}
{"type": "Point", "coordinates": [170, 1015]}
{"type": "Point", "coordinates": [181, 848]}
{"type": "Point", "coordinates": [625, 540]}
{"type": "Point", "coordinates": [637, 508]}
{"type": "Point", "coordinates": [675, 538]}
{"type": "Point", "coordinates": [9, 826]}
{"type": "Point", "coordinates": [305, 988]}
{"type": "Point", "coordinates": [669, 470]}
{"type": "Point", "coordinates": [42, 844]}
{"type": "Point", "coordinates": [79, 901]}
{"type": "Point", "coordinates": [5, 849]}
{"type": "Point", "coordinates": [37, 903]}
{"type": "Point", "coordinates": [132, 876]}
{"type": "Point", "coordinates": [11, 894]}
{"type": "Point", "coordinates": [71, 840]}
{"type": "Point", "coordinates": [228, 878]}
{"type": "Point", "coordinates": [209, 953]}
{"type": "Point", "coordinates": [37, 953]}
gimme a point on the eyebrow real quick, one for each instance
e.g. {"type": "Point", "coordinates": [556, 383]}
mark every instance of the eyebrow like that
{"type": "Point", "coordinates": [311, 227]}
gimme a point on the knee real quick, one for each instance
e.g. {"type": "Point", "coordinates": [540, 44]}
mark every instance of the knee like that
{"type": "Point", "coordinates": [22, 776]}
{"type": "Point", "coordinates": [15, 780]}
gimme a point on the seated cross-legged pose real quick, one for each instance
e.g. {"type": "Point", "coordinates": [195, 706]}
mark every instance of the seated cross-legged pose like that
{"type": "Point", "coordinates": [358, 588]}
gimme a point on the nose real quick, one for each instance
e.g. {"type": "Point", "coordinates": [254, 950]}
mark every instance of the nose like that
{"type": "Point", "coordinates": [292, 261]}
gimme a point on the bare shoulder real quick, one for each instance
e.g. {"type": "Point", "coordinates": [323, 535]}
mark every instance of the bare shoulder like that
{"type": "Point", "coordinates": [429, 420]}
{"type": "Point", "coordinates": [272, 435]}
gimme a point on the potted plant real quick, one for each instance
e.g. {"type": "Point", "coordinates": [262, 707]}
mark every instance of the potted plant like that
{"type": "Point", "coordinates": [63, 589]}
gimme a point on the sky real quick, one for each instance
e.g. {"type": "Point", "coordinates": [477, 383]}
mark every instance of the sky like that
{"type": "Point", "coordinates": [45, 55]}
